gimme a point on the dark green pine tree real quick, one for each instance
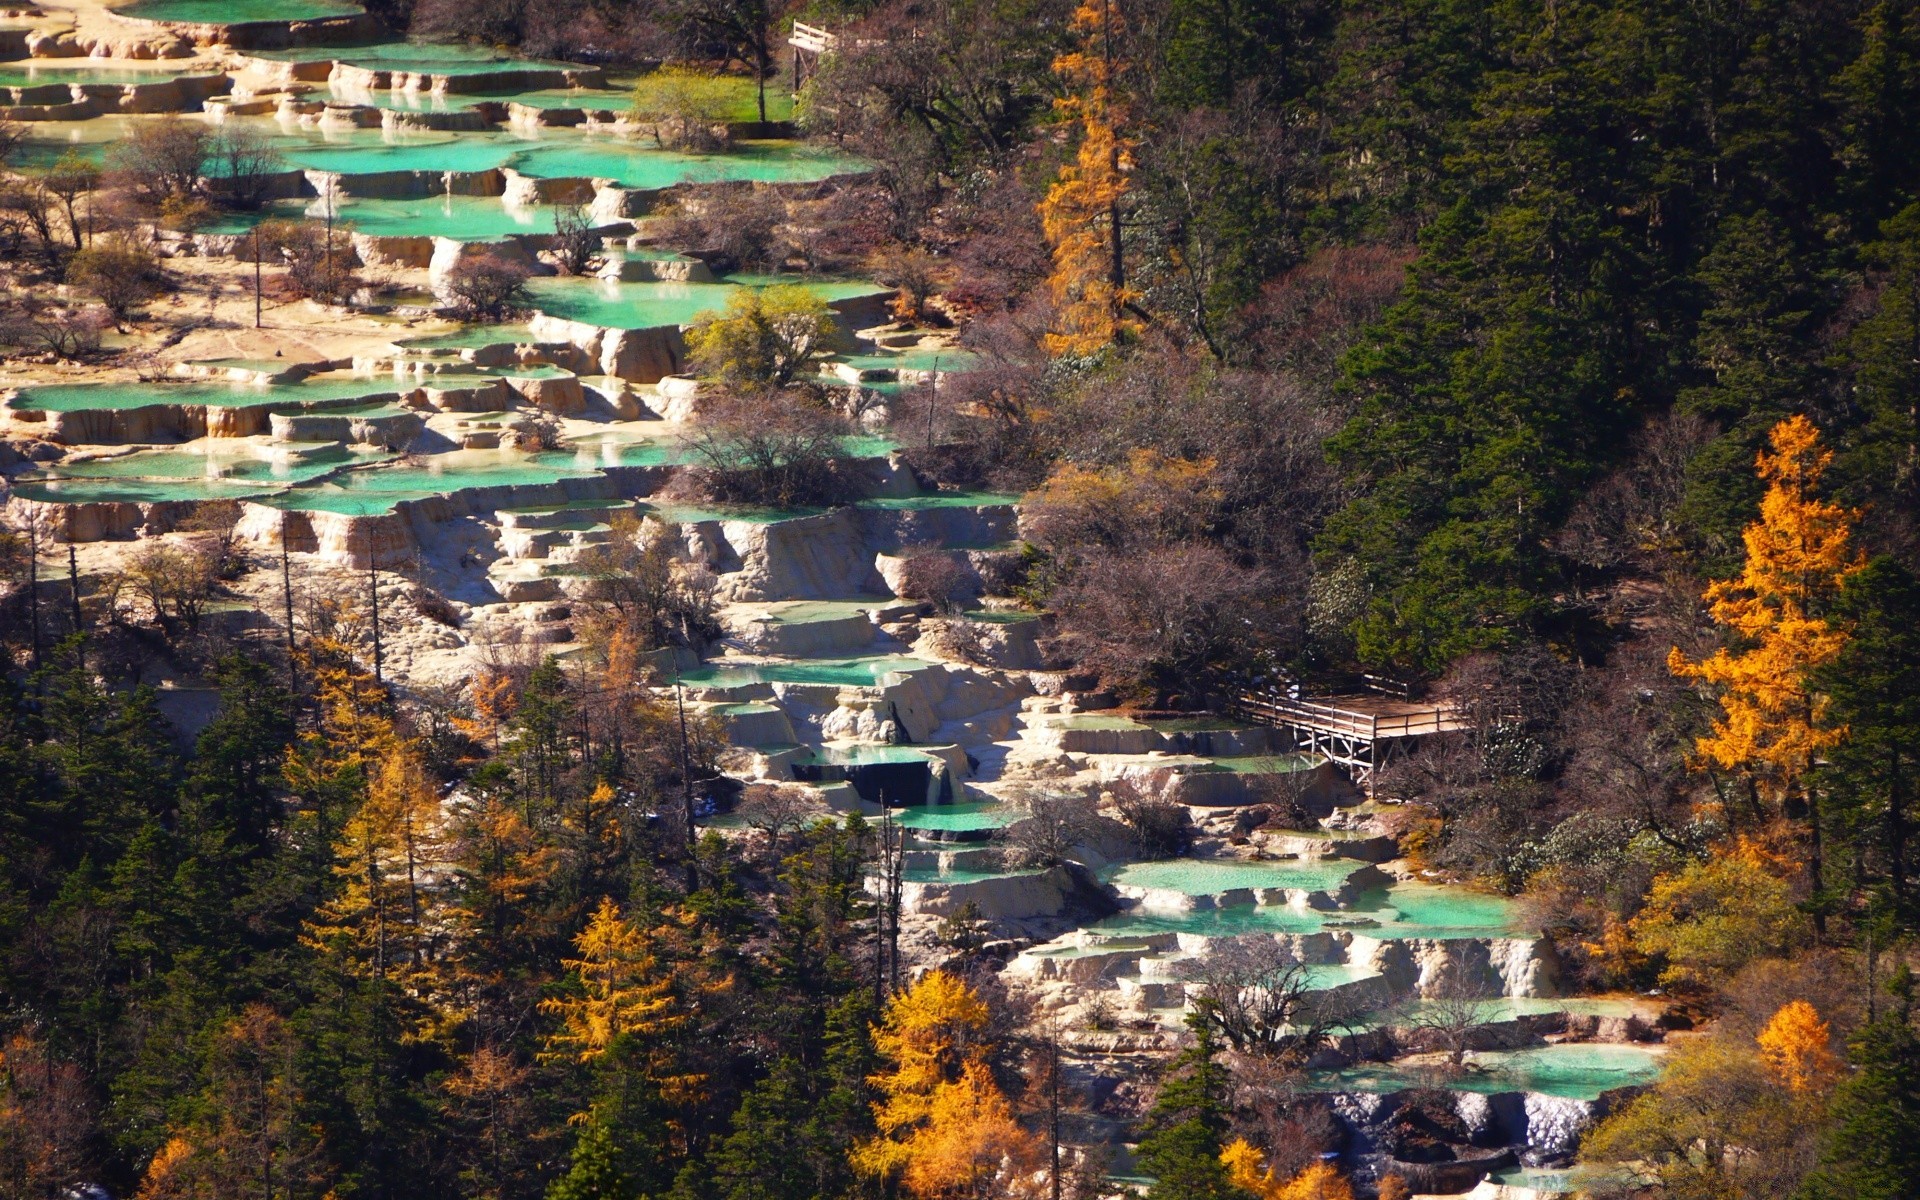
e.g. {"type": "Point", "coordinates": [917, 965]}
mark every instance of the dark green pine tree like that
{"type": "Point", "coordinates": [1871, 779]}
{"type": "Point", "coordinates": [1187, 1127]}
{"type": "Point", "coordinates": [1877, 94]}
{"type": "Point", "coordinates": [1873, 1145]}
{"type": "Point", "coordinates": [1880, 458]}
{"type": "Point", "coordinates": [1757, 347]}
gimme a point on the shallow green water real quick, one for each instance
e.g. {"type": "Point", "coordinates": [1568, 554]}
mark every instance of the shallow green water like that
{"type": "Point", "coordinates": [942, 500]}
{"type": "Point", "coordinates": [558, 153]}
{"type": "Point", "coordinates": [1200, 877]}
{"type": "Point", "coordinates": [648, 305]}
{"type": "Point", "coordinates": [1507, 1008]}
{"type": "Point", "coordinates": [984, 616]}
{"type": "Point", "coordinates": [688, 514]}
{"type": "Point", "coordinates": [915, 359]}
{"type": "Point", "coordinates": [235, 12]}
{"type": "Point", "coordinates": [842, 672]}
{"type": "Point", "coordinates": [466, 218]}
{"type": "Point", "coordinates": [806, 612]}
{"type": "Point", "coordinates": [1265, 764]}
{"type": "Point", "coordinates": [956, 875]}
{"type": "Point", "coordinates": [1427, 908]}
{"type": "Point", "coordinates": [1091, 721]}
{"type": "Point", "coordinates": [1406, 910]}
{"type": "Point", "coordinates": [77, 397]}
{"type": "Point", "coordinates": [213, 461]}
{"type": "Point", "coordinates": [1577, 1071]}
{"type": "Point", "coordinates": [863, 755]}
{"type": "Point", "coordinates": [1550, 1181]}
{"type": "Point", "coordinates": [458, 469]}
{"type": "Point", "coordinates": [473, 337]}
{"type": "Point", "coordinates": [957, 818]}
{"type": "Point", "coordinates": [408, 56]}
{"type": "Point", "coordinates": [28, 74]}
{"type": "Point", "coordinates": [138, 491]}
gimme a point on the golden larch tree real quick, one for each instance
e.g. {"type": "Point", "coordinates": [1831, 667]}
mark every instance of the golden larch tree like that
{"type": "Point", "coordinates": [1799, 555]}
{"type": "Point", "coordinates": [1797, 1047]}
{"type": "Point", "coordinates": [946, 1129]}
{"type": "Point", "coordinates": [622, 989]}
{"type": "Point", "coordinates": [1247, 1170]}
{"type": "Point", "coordinates": [1081, 211]}
{"type": "Point", "coordinates": [384, 921]}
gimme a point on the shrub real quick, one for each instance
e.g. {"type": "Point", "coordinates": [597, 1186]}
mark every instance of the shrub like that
{"type": "Point", "coordinates": [937, 577]}
{"type": "Point", "coordinates": [735, 227]}
{"type": "Point", "coordinates": [118, 273]}
{"type": "Point", "coordinates": [771, 449]}
{"type": "Point", "coordinates": [161, 158]}
{"type": "Point", "coordinates": [687, 109]}
{"type": "Point", "coordinates": [241, 164]}
{"type": "Point", "coordinates": [486, 288]}
{"type": "Point", "coordinates": [768, 337]}
{"type": "Point", "coordinates": [576, 247]}
{"type": "Point", "coordinates": [320, 265]}
{"type": "Point", "coordinates": [913, 271]}
{"type": "Point", "coordinates": [66, 332]}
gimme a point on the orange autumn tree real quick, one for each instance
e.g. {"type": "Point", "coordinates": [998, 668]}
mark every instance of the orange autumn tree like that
{"type": "Point", "coordinates": [945, 1128]}
{"type": "Point", "coordinates": [1799, 554]}
{"type": "Point", "coordinates": [1081, 212]}
{"type": "Point", "coordinates": [1247, 1170]}
{"type": "Point", "coordinates": [622, 990]}
{"type": "Point", "coordinates": [1797, 1047]}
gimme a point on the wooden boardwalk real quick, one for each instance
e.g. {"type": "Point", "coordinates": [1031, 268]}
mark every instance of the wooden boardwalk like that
{"type": "Point", "coordinates": [1361, 732]}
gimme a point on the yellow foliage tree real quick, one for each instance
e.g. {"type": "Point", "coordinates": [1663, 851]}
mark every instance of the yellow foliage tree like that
{"type": "Point", "coordinates": [384, 919]}
{"type": "Point", "coordinates": [622, 990]}
{"type": "Point", "coordinates": [945, 1127]}
{"type": "Point", "coordinates": [1081, 212]}
{"type": "Point", "coordinates": [1247, 1170]}
{"type": "Point", "coordinates": [1797, 1047]}
{"type": "Point", "coordinates": [1712, 918]}
{"type": "Point", "coordinates": [1799, 554]}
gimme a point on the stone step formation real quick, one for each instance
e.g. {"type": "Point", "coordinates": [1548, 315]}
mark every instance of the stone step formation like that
{"type": "Point", "coordinates": [492, 463]}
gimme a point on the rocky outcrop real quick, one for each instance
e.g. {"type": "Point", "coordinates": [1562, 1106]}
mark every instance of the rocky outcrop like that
{"type": "Point", "coordinates": [1006, 897]}
{"type": "Point", "coordinates": [635, 355]}
{"type": "Point", "coordinates": [1510, 966]}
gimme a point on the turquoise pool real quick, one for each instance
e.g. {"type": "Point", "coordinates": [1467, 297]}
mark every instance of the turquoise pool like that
{"type": "Point", "coordinates": [649, 305]}
{"type": "Point", "coordinates": [1575, 1071]}
{"type": "Point", "coordinates": [236, 12]}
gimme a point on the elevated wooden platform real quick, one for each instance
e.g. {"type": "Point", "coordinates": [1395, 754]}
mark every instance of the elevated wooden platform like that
{"type": "Point", "coordinates": [1361, 731]}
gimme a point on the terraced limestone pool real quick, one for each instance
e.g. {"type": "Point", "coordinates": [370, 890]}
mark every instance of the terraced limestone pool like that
{"type": "Point", "coordinates": [651, 305]}
{"type": "Point", "coordinates": [1202, 877]}
{"type": "Point", "coordinates": [222, 459]}
{"type": "Point", "coordinates": [236, 12]}
{"type": "Point", "coordinates": [1572, 1071]}
{"type": "Point", "coordinates": [33, 73]}
{"type": "Point", "coordinates": [1404, 910]}
{"type": "Point", "coordinates": [463, 218]}
{"type": "Point", "coordinates": [451, 58]}
{"type": "Point", "coordinates": [956, 818]}
{"type": "Point", "coordinates": [546, 153]}
{"type": "Point", "coordinates": [81, 397]}
{"type": "Point", "coordinates": [842, 672]}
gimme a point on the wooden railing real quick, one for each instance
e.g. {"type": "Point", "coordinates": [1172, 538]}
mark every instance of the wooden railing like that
{"type": "Point", "coordinates": [811, 38]}
{"type": "Point", "coordinates": [1351, 723]}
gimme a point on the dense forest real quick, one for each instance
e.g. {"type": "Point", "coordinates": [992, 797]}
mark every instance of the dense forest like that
{"type": "Point", "coordinates": [1559, 358]}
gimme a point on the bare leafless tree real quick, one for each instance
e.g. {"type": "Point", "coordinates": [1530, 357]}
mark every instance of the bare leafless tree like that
{"type": "Point", "coordinates": [1160, 827]}
{"type": "Point", "coordinates": [775, 809]}
{"type": "Point", "coordinates": [1262, 999]}
{"type": "Point", "coordinates": [1446, 1019]}
{"type": "Point", "coordinates": [576, 247]}
{"type": "Point", "coordinates": [1053, 825]}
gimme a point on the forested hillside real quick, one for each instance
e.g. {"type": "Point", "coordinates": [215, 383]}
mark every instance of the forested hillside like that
{"type": "Point", "coordinates": [1556, 358]}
